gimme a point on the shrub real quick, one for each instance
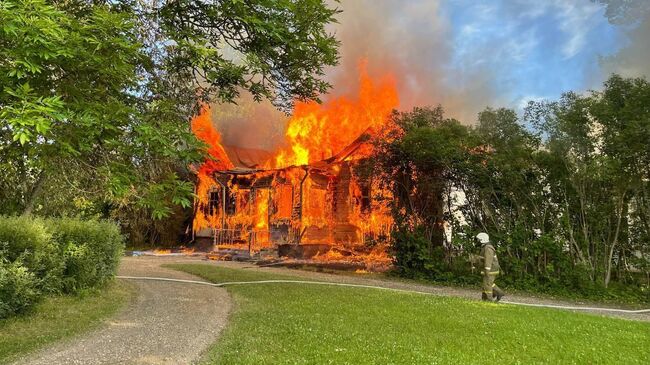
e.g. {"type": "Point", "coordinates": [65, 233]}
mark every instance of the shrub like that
{"type": "Point", "coordinates": [539, 265]}
{"type": "Point", "coordinates": [91, 250]}
{"type": "Point", "coordinates": [411, 252]}
{"type": "Point", "coordinates": [18, 288]}
{"type": "Point", "coordinates": [39, 257]}
{"type": "Point", "coordinates": [28, 240]}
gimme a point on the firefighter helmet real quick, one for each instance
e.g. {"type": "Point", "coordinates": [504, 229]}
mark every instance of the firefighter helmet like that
{"type": "Point", "coordinates": [483, 237]}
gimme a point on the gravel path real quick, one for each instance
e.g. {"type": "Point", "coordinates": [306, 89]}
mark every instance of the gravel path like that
{"type": "Point", "coordinates": [408, 285]}
{"type": "Point", "coordinates": [168, 323]}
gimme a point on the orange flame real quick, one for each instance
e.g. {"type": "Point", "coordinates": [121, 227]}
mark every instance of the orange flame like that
{"type": "Point", "coordinates": [217, 160]}
{"type": "Point", "coordinates": [262, 210]}
{"type": "Point", "coordinates": [319, 131]}
{"type": "Point", "coordinates": [204, 130]}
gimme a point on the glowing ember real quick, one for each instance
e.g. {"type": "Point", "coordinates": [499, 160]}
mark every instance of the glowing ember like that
{"type": "Point", "coordinates": [162, 251]}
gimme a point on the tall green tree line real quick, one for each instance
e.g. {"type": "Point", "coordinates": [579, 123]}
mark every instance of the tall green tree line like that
{"type": "Point", "coordinates": [562, 189]}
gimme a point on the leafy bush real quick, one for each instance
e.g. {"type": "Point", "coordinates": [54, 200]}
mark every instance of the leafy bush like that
{"type": "Point", "coordinates": [538, 266]}
{"type": "Point", "coordinates": [52, 256]}
{"type": "Point", "coordinates": [29, 241]}
{"type": "Point", "coordinates": [416, 257]}
{"type": "Point", "coordinates": [411, 252]}
{"type": "Point", "coordinates": [91, 251]}
{"type": "Point", "coordinates": [18, 288]}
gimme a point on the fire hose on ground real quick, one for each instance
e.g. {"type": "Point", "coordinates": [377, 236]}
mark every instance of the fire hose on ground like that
{"type": "Point", "coordinates": [229, 283]}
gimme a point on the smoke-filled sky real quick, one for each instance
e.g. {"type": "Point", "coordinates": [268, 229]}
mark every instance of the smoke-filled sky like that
{"type": "Point", "coordinates": [470, 54]}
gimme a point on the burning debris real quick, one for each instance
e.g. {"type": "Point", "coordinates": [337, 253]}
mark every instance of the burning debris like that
{"type": "Point", "coordinates": [311, 199]}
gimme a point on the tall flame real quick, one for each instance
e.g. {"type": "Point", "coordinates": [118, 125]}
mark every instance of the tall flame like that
{"type": "Point", "coordinates": [217, 160]}
{"type": "Point", "coordinates": [319, 131]}
{"type": "Point", "coordinates": [204, 130]}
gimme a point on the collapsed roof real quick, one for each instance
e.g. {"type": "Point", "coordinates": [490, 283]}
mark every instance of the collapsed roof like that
{"type": "Point", "coordinates": [248, 158]}
{"type": "Point", "coordinates": [251, 160]}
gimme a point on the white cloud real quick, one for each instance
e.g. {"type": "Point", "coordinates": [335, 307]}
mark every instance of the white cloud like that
{"type": "Point", "coordinates": [522, 45]}
{"type": "Point", "coordinates": [576, 21]}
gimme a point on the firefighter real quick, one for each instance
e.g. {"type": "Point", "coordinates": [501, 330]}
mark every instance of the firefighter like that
{"type": "Point", "coordinates": [490, 269]}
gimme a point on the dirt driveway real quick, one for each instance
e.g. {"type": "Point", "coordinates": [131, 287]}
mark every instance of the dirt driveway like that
{"type": "Point", "coordinates": [168, 323]}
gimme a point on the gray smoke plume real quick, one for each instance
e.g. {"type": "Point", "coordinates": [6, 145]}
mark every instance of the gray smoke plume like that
{"type": "Point", "coordinates": [413, 41]}
{"type": "Point", "coordinates": [633, 60]}
{"type": "Point", "coordinates": [250, 124]}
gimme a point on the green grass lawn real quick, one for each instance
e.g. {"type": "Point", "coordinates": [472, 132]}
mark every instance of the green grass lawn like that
{"type": "Point", "coordinates": [314, 324]}
{"type": "Point", "coordinates": [60, 317]}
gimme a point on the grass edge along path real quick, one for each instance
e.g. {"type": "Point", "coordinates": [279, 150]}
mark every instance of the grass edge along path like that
{"type": "Point", "coordinates": [570, 297]}
{"type": "Point", "coordinates": [303, 324]}
{"type": "Point", "coordinates": [61, 317]}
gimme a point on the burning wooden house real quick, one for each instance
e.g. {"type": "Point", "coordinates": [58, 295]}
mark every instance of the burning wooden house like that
{"type": "Point", "coordinates": [329, 203]}
{"type": "Point", "coordinates": [313, 199]}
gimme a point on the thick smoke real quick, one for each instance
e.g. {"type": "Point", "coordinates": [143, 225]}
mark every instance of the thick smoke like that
{"type": "Point", "coordinates": [250, 124]}
{"type": "Point", "coordinates": [413, 41]}
{"type": "Point", "coordinates": [634, 59]}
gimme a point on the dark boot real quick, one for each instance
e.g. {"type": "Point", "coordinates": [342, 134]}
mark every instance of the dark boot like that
{"type": "Point", "coordinates": [497, 293]}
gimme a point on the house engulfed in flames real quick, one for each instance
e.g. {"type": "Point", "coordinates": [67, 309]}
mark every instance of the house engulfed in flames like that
{"type": "Point", "coordinates": [313, 199]}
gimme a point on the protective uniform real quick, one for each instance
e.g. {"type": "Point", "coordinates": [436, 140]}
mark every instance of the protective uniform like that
{"type": "Point", "coordinates": [490, 269]}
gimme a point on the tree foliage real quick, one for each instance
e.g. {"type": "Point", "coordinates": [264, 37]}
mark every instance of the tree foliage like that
{"type": "Point", "coordinates": [563, 190]}
{"type": "Point", "coordinates": [96, 95]}
{"type": "Point", "coordinates": [416, 167]}
{"type": "Point", "coordinates": [273, 49]}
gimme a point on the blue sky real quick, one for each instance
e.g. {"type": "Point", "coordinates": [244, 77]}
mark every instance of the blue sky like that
{"type": "Point", "coordinates": [536, 51]}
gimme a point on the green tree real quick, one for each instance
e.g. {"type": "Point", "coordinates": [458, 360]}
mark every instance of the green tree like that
{"type": "Point", "coordinates": [96, 96]}
{"type": "Point", "coordinates": [624, 131]}
{"type": "Point", "coordinates": [272, 48]}
{"type": "Point", "coordinates": [598, 145]}
{"type": "Point", "coordinates": [67, 90]}
{"type": "Point", "coordinates": [508, 195]}
{"type": "Point", "coordinates": [417, 167]}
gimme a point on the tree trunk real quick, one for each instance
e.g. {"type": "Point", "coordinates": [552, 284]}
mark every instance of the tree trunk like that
{"type": "Point", "coordinates": [36, 191]}
{"type": "Point", "coordinates": [608, 272]}
{"type": "Point", "coordinates": [578, 250]}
